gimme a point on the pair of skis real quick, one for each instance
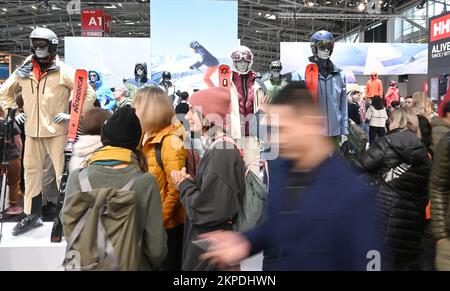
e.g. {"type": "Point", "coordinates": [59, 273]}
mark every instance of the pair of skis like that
{"type": "Point", "coordinates": [78, 94]}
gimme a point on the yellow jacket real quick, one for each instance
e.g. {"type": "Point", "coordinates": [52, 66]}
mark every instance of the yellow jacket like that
{"type": "Point", "coordinates": [43, 98]}
{"type": "Point", "coordinates": [173, 157]}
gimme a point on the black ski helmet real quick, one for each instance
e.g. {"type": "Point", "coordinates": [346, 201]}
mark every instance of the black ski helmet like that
{"type": "Point", "coordinates": [48, 35]}
{"type": "Point", "coordinates": [276, 65]}
{"type": "Point", "coordinates": [166, 75]}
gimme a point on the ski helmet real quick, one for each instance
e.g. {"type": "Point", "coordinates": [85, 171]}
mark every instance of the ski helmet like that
{"type": "Point", "coordinates": [322, 39]}
{"type": "Point", "coordinates": [166, 75]}
{"type": "Point", "coordinates": [45, 34]}
{"type": "Point", "coordinates": [194, 44]}
{"type": "Point", "coordinates": [392, 83]}
{"type": "Point", "coordinates": [276, 65]}
{"type": "Point", "coordinates": [242, 53]}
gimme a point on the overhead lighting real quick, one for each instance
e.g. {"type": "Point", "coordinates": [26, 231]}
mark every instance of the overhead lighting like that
{"type": "Point", "coordinates": [310, 3]}
{"type": "Point", "coordinates": [34, 7]}
{"type": "Point", "coordinates": [44, 25]}
{"type": "Point", "coordinates": [110, 6]}
{"type": "Point", "coordinates": [120, 4]}
{"type": "Point", "coordinates": [54, 7]}
{"type": "Point", "coordinates": [4, 9]}
{"type": "Point", "coordinates": [270, 16]}
{"type": "Point", "coordinates": [381, 2]}
{"type": "Point", "coordinates": [361, 7]}
{"type": "Point", "coordinates": [259, 13]}
{"type": "Point", "coordinates": [129, 23]}
{"type": "Point", "coordinates": [79, 24]}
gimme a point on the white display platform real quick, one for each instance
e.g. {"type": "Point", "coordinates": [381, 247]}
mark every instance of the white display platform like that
{"type": "Point", "coordinates": [31, 251]}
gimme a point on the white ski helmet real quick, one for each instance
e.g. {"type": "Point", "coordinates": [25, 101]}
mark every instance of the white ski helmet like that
{"type": "Point", "coordinates": [47, 34]}
{"type": "Point", "coordinates": [242, 53]}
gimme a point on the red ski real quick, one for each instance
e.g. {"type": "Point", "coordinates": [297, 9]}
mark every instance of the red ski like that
{"type": "Point", "coordinates": [78, 94]}
{"type": "Point", "coordinates": [312, 81]}
{"type": "Point", "coordinates": [225, 76]}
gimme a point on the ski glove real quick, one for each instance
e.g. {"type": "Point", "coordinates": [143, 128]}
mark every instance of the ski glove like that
{"type": "Point", "coordinates": [21, 118]}
{"type": "Point", "coordinates": [60, 117]}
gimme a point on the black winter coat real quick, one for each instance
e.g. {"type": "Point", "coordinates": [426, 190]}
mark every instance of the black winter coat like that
{"type": "Point", "coordinates": [400, 163]}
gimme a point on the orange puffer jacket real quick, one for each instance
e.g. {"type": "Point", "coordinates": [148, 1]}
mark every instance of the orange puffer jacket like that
{"type": "Point", "coordinates": [173, 157]}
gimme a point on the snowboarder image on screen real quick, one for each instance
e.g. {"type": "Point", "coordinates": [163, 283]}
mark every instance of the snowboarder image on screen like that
{"type": "Point", "coordinates": [208, 60]}
{"type": "Point", "coordinates": [46, 84]}
{"type": "Point", "coordinates": [331, 100]}
{"type": "Point", "coordinates": [140, 79]}
{"type": "Point", "coordinates": [275, 83]}
{"type": "Point", "coordinates": [104, 94]}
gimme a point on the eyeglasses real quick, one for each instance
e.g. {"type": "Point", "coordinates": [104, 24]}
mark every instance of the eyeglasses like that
{"type": "Point", "coordinates": [325, 45]}
{"type": "Point", "coordinates": [238, 56]}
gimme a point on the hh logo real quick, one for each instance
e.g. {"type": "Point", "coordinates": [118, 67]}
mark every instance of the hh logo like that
{"type": "Point", "coordinates": [440, 28]}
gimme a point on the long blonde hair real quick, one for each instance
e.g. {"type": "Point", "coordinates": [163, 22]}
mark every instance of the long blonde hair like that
{"type": "Point", "coordinates": [423, 104]}
{"type": "Point", "coordinates": [153, 108]}
{"type": "Point", "coordinates": [405, 118]}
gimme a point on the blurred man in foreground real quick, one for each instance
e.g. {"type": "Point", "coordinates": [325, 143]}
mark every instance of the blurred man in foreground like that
{"type": "Point", "coordinates": [333, 225]}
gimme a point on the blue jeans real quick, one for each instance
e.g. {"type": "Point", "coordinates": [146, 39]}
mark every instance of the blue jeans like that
{"type": "Point", "coordinates": [366, 127]}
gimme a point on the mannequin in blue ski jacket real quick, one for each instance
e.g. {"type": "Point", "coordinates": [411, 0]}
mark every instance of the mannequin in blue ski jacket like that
{"type": "Point", "coordinates": [104, 94]}
{"type": "Point", "coordinates": [332, 94]}
{"type": "Point", "coordinates": [140, 80]}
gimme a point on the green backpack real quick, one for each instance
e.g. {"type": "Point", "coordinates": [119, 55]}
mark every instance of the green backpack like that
{"type": "Point", "coordinates": [100, 228]}
{"type": "Point", "coordinates": [254, 200]}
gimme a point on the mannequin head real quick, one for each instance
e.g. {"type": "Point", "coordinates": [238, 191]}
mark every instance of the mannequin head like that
{"type": "Point", "coordinates": [43, 43]}
{"type": "Point", "coordinates": [322, 44]}
{"type": "Point", "coordinates": [242, 58]}
{"type": "Point", "coordinates": [374, 76]}
{"type": "Point", "coordinates": [275, 70]}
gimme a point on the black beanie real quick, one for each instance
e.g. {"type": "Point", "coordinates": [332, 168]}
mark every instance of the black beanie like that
{"type": "Point", "coordinates": [122, 129]}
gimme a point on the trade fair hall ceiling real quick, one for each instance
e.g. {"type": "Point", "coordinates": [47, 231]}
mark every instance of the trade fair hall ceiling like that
{"type": "Point", "coordinates": [262, 24]}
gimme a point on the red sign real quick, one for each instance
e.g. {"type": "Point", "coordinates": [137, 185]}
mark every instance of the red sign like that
{"type": "Point", "coordinates": [92, 20]}
{"type": "Point", "coordinates": [95, 23]}
{"type": "Point", "coordinates": [92, 33]}
{"type": "Point", "coordinates": [440, 28]}
{"type": "Point", "coordinates": [108, 23]}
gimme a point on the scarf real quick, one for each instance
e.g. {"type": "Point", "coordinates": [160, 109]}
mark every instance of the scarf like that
{"type": "Point", "coordinates": [111, 156]}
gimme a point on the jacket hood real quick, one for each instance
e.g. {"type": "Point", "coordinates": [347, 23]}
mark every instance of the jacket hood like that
{"type": "Point", "coordinates": [86, 145]}
{"type": "Point", "coordinates": [407, 145]}
{"type": "Point", "coordinates": [98, 83]}
{"type": "Point", "coordinates": [144, 77]}
{"type": "Point", "coordinates": [437, 121]}
{"type": "Point", "coordinates": [173, 129]}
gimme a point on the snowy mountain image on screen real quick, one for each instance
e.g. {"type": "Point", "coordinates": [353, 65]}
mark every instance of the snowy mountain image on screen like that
{"type": "Point", "coordinates": [183, 77]}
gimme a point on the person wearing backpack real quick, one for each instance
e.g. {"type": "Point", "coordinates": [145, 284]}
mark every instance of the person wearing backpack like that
{"type": "Point", "coordinates": [116, 167]}
{"type": "Point", "coordinates": [321, 223]}
{"type": "Point", "coordinates": [90, 138]}
{"type": "Point", "coordinates": [162, 144]}
{"type": "Point", "coordinates": [213, 200]}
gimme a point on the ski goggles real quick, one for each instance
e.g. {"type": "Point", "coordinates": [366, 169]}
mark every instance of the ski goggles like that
{"type": "Point", "coordinates": [93, 77]}
{"type": "Point", "coordinates": [238, 56]}
{"type": "Point", "coordinates": [276, 68]}
{"type": "Point", "coordinates": [39, 43]}
{"type": "Point", "coordinates": [325, 45]}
